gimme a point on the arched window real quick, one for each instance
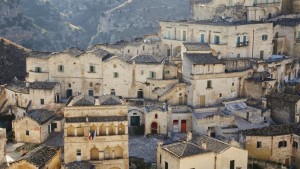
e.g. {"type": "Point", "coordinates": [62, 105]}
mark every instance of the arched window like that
{"type": "Point", "coordinates": [107, 153]}
{"type": "Point", "coordinates": [70, 131]}
{"type": "Point", "coordinates": [121, 129]}
{"type": "Point", "coordinates": [118, 152]}
{"type": "Point", "coordinates": [295, 145]}
{"type": "Point", "coordinates": [94, 154]}
{"type": "Point", "coordinates": [156, 116]}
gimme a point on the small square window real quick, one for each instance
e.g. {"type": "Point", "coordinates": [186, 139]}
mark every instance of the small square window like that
{"type": "Point", "coordinates": [38, 69]}
{"type": "Point", "coordinates": [60, 68]}
{"type": "Point", "coordinates": [116, 74]}
{"type": "Point", "coordinates": [264, 37]}
{"type": "Point", "coordinates": [91, 92]}
{"type": "Point", "coordinates": [70, 85]}
{"type": "Point", "coordinates": [259, 144]}
{"type": "Point", "coordinates": [167, 72]}
{"type": "Point", "coordinates": [42, 101]}
{"type": "Point", "coordinates": [220, 95]}
{"type": "Point", "coordinates": [92, 69]}
{"type": "Point", "coordinates": [27, 132]}
{"type": "Point", "coordinates": [209, 84]}
{"type": "Point", "coordinates": [91, 84]}
{"type": "Point", "coordinates": [78, 152]}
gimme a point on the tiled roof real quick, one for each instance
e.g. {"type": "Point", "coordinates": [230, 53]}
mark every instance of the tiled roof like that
{"type": "Point", "coordinates": [203, 59]}
{"type": "Point", "coordinates": [41, 115]}
{"type": "Point", "coordinates": [18, 86]}
{"type": "Point", "coordinates": [195, 46]}
{"type": "Point", "coordinates": [145, 59]}
{"type": "Point", "coordinates": [98, 52]}
{"type": "Point", "coordinates": [83, 100]}
{"type": "Point", "coordinates": [109, 100]}
{"type": "Point", "coordinates": [40, 155]}
{"type": "Point", "coordinates": [80, 165]}
{"type": "Point", "coordinates": [194, 146]}
{"type": "Point", "coordinates": [273, 130]}
{"type": "Point", "coordinates": [38, 54]}
{"type": "Point", "coordinates": [288, 22]}
{"type": "Point", "coordinates": [217, 23]}
{"type": "Point", "coordinates": [95, 119]}
{"type": "Point", "coordinates": [43, 85]}
{"type": "Point", "coordinates": [283, 96]}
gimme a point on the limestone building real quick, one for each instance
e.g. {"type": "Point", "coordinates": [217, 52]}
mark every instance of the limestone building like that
{"type": "Point", "coordinates": [96, 130]}
{"type": "Point", "coordinates": [200, 152]}
{"type": "Point", "coordinates": [34, 127]}
{"type": "Point", "coordinates": [2, 145]}
{"type": "Point", "coordinates": [279, 144]}
{"type": "Point", "coordinates": [42, 157]}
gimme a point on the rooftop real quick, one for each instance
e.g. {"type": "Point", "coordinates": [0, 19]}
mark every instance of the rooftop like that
{"type": "Point", "coordinates": [208, 115]}
{"type": "Point", "coordinates": [84, 100]}
{"type": "Point", "coordinates": [195, 46]}
{"type": "Point", "coordinates": [287, 21]}
{"type": "Point", "coordinates": [148, 59]}
{"type": "Point", "coordinates": [200, 59]}
{"type": "Point", "coordinates": [40, 156]}
{"type": "Point", "coordinates": [80, 165]}
{"type": "Point", "coordinates": [43, 85]}
{"type": "Point", "coordinates": [273, 130]}
{"type": "Point", "coordinates": [284, 97]}
{"type": "Point", "coordinates": [41, 115]}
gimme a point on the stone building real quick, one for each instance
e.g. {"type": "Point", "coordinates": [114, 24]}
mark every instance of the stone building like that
{"type": "Point", "coordinates": [226, 39]}
{"type": "Point", "coordinates": [34, 127]}
{"type": "Point", "coordinates": [200, 152]}
{"type": "Point", "coordinates": [285, 107]}
{"type": "Point", "coordinates": [96, 130]}
{"type": "Point", "coordinates": [42, 157]}
{"type": "Point", "coordinates": [2, 145]}
{"type": "Point", "coordinates": [279, 144]}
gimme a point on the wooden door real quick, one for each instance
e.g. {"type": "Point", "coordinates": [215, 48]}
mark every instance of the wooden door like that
{"type": "Point", "coordinates": [183, 125]}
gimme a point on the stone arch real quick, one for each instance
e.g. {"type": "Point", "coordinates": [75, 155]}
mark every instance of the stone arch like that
{"type": "Point", "coordinates": [107, 154]}
{"type": "Point", "coordinates": [94, 152]}
{"type": "Point", "coordinates": [111, 129]}
{"type": "Point", "coordinates": [71, 131]}
{"type": "Point", "coordinates": [80, 131]}
{"type": "Point", "coordinates": [118, 152]}
{"type": "Point", "coordinates": [93, 129]}
{"type": "Point", "coordinates": [262, 13]}
{"type": "Point", "coordinates": [177, 51]}
{"type": "Point", "coordinates": [121, 129]}
{"type": "Point", "coordinates": [102, 130]}
{"type": "Point", "coordinates": [166, 50]}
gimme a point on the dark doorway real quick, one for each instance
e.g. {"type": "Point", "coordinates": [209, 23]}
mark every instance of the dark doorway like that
{"type": "Point", "coordinates": [154, 128]}
{"type": "Point", "coordinates": [140, 93]}
{"type": "Point", "coordinates": [135, 120]}
{"type": "Point", "coordinates": [69, 93]}
{"type": "Point", "coordinates": [183, 125]}
{"type": "Point", "coordinates": [53, 126]}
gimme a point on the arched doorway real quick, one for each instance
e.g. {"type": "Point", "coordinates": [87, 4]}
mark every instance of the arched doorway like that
{"type": "Point", "coordinates": [166, 50]}
{"type": "Point", "coordinates": [107, 153]}
{"type": "Point", "coordinates": [154, 128]}
{"type": "Point", "coordinates": [71, 131]}
{"type": "Point", "coordinates": [140, 93]}
{"type": "Point", "coordinates": [121, 129]}
{"type": "Point", "coordinates": [118, 152]}
{"type": "Point", "coordinates": [94, 154]}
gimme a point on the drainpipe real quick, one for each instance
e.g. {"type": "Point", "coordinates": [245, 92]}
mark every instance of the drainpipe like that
{"type": "Point", "coordinates": [215, 167]}
{"type": "Point", "coordinates": [252, 44]}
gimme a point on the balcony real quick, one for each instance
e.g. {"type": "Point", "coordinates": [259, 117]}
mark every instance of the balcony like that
{"type": "Point", "coordinates": [242, 44]}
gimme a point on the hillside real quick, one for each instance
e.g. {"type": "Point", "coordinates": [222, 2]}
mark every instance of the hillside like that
{"type": "Point", "coordinates": [12, 61]}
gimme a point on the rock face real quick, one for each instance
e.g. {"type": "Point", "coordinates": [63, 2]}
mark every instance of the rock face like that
{"type": "Point", "coordinates": [12, 61]}
{"type": "Point", "coordinates": [55, 25]}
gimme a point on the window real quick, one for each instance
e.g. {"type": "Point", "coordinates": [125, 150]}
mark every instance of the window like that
{"type": "Point", "coordinates": [175, 122]}
{"type": "Point", "coordinates": [42, 101]}
{"type": "Point", "coordinates": [60, 68]}
{"type": "Point", "coordinates": [276, 34]}
{"type": "Point", "coordinates": [232, 165]}
{"type": "Point", "coordinates": [112, 92]}
{"type": "Point", "coordinates": [258, 144]}
{"type": "Point", "coordinates": [220, 95]}
{"type": "Point", "coordinates": [92, 69]}
{"type": "Point", "coordinates": [91, 92]}
{"type": "Point", "coordinates": [208, 68]}
{"type": "Point", "coordinates": [166, 165]}
{"type": "Point", "coordinates": [232, 84]}
{"type": "Point", "coordinates": [209, 85]}
{"type": "Point", "coordinates": [78, 152]}
{"type": "Point", "coordinates": [156, 116]}
{"type": "Point", "coordinates": [27, 132]}
{"type": "Point", "coordinates": [128, 51]}
{"type": "Point", "coordinates": [264, 37]}
{"type": "Point", "coordinates": [217, 39]}
{"type": "Point", "coordinates": [38, 69]}
{"type": "Point", "coordinates": [244, 40]}
{"type": "Point", "coordinates": [295, 145]}
{"type": "Point", "coordinates": [184, 35]}
{"type": "Point", "coordinates": [116, 74]}
{"type": "Point", "coordinates": [282, 144]}
{"type": "Point", "coordinates": [142, 72]}
{"type": "Point", "coordinates": [167, 72]}
{"type": "Point", "coordinates": [152, 74]}
{"type": "Point", "coordinates": [169, 34]}
{"type": "Point", "coordinates": [202, 40]}
{"type": "Point", "coordinates": [70, 85]}
{"type": "Point", "coordinates": [91, 84]}
{"type": "Point", "coordinates": [261, 54]}
{"type": "Point", "coordinates": [238, 41]}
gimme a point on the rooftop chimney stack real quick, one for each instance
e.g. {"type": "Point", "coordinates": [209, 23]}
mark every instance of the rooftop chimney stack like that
{"type": "Point", "coordinates": [189, 136]}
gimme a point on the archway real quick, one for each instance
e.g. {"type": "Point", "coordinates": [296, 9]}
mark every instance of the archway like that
{"type": "Point", "coordinates": [93, 129]}
{"type": "Point", "coordinates": [111, 129]}
{"type": "Point", "coordinates": [107, 153]}
{"type": "Point", "coordinates": [121, 129]}
{"type": "Point", "coordinates": [71, 131]}
{"type": "Point", "coordinates": [80, 131]}
{"type": "Point", "coordinates": [177, 51]}
{"type": "Point", "coordinates": [118, 152]}
{"type": "Point", "coordinates": [94, 154]}
{"type": "Point", "coordinates": [154, 128]}
{"type": "Point", "coordinates": [140, 93]}
{"type": "Point", "coordinates": [166, 50]}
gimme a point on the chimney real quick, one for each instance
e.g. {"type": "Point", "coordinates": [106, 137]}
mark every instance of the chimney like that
{"type": "Point", "coordinates": [204, 146]}
{"type": "Point", "coordinates": [189, 136]}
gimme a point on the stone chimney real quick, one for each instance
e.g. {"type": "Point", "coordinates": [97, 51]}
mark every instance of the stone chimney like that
{"type": "Point", "coordinates": [189, 136]}
{"type": "Point", "coordinates": [204, 145]}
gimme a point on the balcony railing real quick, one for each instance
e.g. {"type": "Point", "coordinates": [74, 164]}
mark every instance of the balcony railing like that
{"type": "Point", "coordinates": [242, 44]}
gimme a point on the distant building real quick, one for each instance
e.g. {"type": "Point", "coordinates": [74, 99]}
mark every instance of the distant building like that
{"type": "Point", "coordinates": [96, 130]}
{"type": "Point", "coordinates": [42, 157]}
{"type": "Point", "coordinates": [34, 127]}
{"type": "Point", "coordinates": [279, 144]}
{"type": "Point", "coordinates": [200, 151]}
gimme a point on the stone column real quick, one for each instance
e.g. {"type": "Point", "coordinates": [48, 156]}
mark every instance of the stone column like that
{"type": "Point", "coordinates": [75, 132]}
{"type": "Point", "coordinates": [107, 130]}
{"type": "Point", "coordinates": [126, 129]}
{"type": "Point", "coordinates": [116, 130]}
{"type": "Point", "coordinates": [98, 131]}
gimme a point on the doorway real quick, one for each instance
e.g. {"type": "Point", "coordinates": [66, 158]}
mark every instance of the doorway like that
{"type": "Point", "coordinates": [69, 93]}
{"type": "Point", "coordinates": [183, 125]}
{"type": "Point", "coordinates": [154, 128]}
{"type": "Point", "coordinates": [135, 120]}
{"type": "Point", "coordinates": [140, 94]}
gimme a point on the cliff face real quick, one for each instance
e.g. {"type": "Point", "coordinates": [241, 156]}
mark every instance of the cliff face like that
{"type": "Point", "coordinates": [54, 25]}
{"type": "Point", "coordinates": [12, 61]}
